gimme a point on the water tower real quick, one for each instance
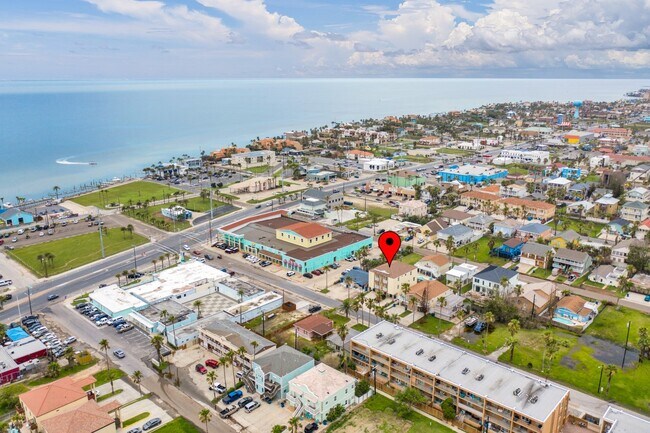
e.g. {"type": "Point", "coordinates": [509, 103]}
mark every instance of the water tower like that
{"type": "Point", "coordinates": [577, 104]}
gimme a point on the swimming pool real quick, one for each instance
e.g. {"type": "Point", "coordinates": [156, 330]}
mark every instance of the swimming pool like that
{"type": "Point", "coordinates": [565, 321]}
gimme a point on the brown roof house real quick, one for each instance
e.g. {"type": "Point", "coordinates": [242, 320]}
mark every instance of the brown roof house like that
{"type": "Point", "coordinates": [314, 327]}
{"type": "Point", "coordinates": [389, 279]}
{"type": "Point", "coordinates": [89, 418]}
{"type": "Point", "coordinates": [433, 266]}
{"type": "Point", "coordinates": [44, 406]}
{"type": "Point", "coordinates": [575, 309]}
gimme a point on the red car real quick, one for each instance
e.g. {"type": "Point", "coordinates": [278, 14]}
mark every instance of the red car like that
{"type": "Point", "coordinates": [196, 252]}
{"type": "Point", "coordinates": [212, 363]}
{"type": "Point", "coordinates": [316, 272]}
{"type": "Point", "coordinates": [201, 369]}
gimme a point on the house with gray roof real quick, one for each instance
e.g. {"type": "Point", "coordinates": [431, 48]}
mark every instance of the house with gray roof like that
{"type": "Point", "coordinates": [480, 222]}
{"type": "Point", "coordinates": [489, 280]}
{"type": "Point", "coordinates": [330, 198]}
{"type": "Point", "coordinates": [534, 254]}
{"type": "Point", "coordinates": [534, 231]}
{"type": "Point", "coordinates": [273, 371]}
{"type": "Point", "coordinates": [571, 261]}
{"type": "Point", "coordinates": [221, 336]}
{"type": "Point", "coordinates": [460, 234]}
{"type": "Point", "coordinates": [634, 211]}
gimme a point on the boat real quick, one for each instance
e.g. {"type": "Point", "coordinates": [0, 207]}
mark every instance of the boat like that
{"type": "Point", "coordinates": [92, 163]}
{"type": "Point", "coordinates": [471, 321]}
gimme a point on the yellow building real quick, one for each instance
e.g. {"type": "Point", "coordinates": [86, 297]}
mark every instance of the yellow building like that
{"type": "Point", "coordinates": [389, 279]}
{"type": "Point", "coordinates": [304, 234]}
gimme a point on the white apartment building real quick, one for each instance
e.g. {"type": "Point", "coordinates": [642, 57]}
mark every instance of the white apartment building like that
{"type": "Point", "coordinates": [526, 156]}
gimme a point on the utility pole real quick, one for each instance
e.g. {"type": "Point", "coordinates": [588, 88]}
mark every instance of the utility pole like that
{"type": "Point", "coordinates": [602, 368]}
{"type": "Point", "coordinates": [211, 211]}
{"type": "Point", "coordinates": [29, 297]}
{"type": "Point", "coordinates": [101, 239]}
{"type": "Point", "coordinates": [135, 260]}
{"type": "Point", "coordinates": [626, 341]}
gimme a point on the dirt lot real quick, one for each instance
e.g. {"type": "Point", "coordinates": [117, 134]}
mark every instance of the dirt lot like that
{"type": "Point", "coordinates": [365, 421]}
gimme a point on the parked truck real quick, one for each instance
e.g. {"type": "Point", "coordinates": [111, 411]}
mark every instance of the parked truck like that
{"type": "Point", "coordinates": [232, 396]}
{"type": "Point", "coordinates": [228, 411]}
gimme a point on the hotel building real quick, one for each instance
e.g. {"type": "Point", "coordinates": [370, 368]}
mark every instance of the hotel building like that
{"type": "Point", "coordinates": [487, 396]}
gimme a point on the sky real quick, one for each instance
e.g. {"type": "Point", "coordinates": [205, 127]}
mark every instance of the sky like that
{"type": "Point", "coordinates": [200, 39]}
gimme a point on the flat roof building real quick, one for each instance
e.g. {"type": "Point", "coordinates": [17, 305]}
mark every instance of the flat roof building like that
{"type": "Point", "coordinates": [482, 391]}
{"type": "Point", "coordinates": [115, 301]}
{"type": "Point", "coordinates": [617, 421]}
{"type": "Point", "coordinates": [472, 173]}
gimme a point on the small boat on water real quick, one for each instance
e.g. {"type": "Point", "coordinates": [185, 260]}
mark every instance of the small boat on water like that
{"type": "Point", "coordinates": [92, 163]}
{"type": "Point", "coordinates": [471, 321]}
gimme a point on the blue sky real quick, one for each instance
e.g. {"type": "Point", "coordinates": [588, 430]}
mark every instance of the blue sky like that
{"type": "Point", "coordinates": [151, 39]}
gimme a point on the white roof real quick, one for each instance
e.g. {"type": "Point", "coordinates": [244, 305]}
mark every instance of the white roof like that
{"type": "Point", "coordinates": [509, 387]}
{"type": "Point", "coordinates": [178, 280]}
{"type": "Point", "coordinates": [560, 181]}
{"type": "Point", "coordinates": [116, 299]}
{"type": "Point", "coordinates": [253, 303]}
{"type": "Point", "coordinates": [624, 422]}
{"type": "Point", "coordinates": [322, 381]}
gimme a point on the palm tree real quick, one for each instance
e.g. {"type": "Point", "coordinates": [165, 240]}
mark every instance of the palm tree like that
{"type": "Point", "coordinates": [348, 282]}
{"type": "Point", "coordinates": [45, 259]}
{"type": "Point", "coordinates": [449, 244]}
{"type": "Point", "coordinates": [210, 378]}
{"type": "Point", "coordinates": [129, 228]}
{"type": "Point", "coordinates": [254, 345]}
{"type": "Point", "coordinates": [294, 423]}
{"type": "Point", "coordinates": [197, 304]}
{"type": "Point", "coordinates": [461, 316]}
{"type": "Point", "coordinates": [346, 306]}
{"type": "Point", "coordinates": [231, 360]}
{"type": "Point", "coordinates": [413, 302]}
{"type": "Point", "coordinates": [104, 345]}
{"type": "Point", "coordinates": [513, 328]}
{"type": "Point", "coordinates": [224, 361]}
{"type": "Point", "coordinates": [56, 189]}
{"type": "Point", "coordinates": [154, 261]}
{"type": "Point", "coordinates": [241, 352]}
{"type": "Point", "coordinates": [53, 369]}
{"type": "Point", "coordinates": [342, 332]}
{"type": "Point", "coordinates": [172, 319]}
{"type": "Point", "coordinates": [405, 289]}
{"type": "Point", "coordinates": [442, 302]}
{"type": "Point", "coordinates": [163, 319]}
{"type": "Point", "coordinates": [611, 370]}
{"type": "Point", "coordinates": [205, 416]}
{"type": "Point", "coordinates": [489, 320]}
{"type": "Point", "coordinates": [136, 377]}
{"type": "Point", "coordinates": [157, 342]}
{"type": "Point", "coordinates": [69, 355]}
{"type": "Point", "coordinates": [504, 284]}
{"type": "Point", "coordinates": [436, 244]}
{"type": "Point", "coordinates": [119, 279]}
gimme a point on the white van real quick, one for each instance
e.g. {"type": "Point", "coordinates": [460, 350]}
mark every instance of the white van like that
{"type": "Point", "coordinates": [251, 406]}
{"type": "Point", "coordinates": [4, 283]}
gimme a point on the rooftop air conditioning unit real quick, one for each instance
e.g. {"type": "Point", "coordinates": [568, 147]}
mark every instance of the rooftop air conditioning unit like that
{"type": "Point", "coordinates": [533, 399]}
{"type": "Point", "coordinates": [465, 370]}
{"type": "Point", "coordinates": [391, 341]}
{"type": "Point", "coordinates": [517, 391]}
{"type": "Point", "coordinates": [419, 352]}
{"type": "Point", "coordinates": [432, 358]}
{"type": "Point", "coordinates": [479, 377]}
{"type": "Point", "coordinates": [379, 335]}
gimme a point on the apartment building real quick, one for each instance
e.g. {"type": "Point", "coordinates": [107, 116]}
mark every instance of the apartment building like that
{"type": "Point", "coordinates": [389, 279]}
{"type": "Point", "coordinates": [536, 209]}
{"type": "Point", "coordinates": [484, 393]}
{"type": "Point", "coordinates": [526, 156]}
{"type": "Point", "coordinates": [222, 336]}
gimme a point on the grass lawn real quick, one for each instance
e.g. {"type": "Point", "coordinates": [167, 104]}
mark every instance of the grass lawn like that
{"type": "Point", "coordinates": [381, 213]}
{"type": "Point", "coordinates": [411, 259]}
{"type": "Point", "coordinates": [104, 376]}
{"type": "Point", "coordinates": [495, 339]}
{"type": "Point", "coordinates": [80, 299]}
{"type": "Point", "coordinates": [359, 327]}
{"type": "Point", "coordinates": [450, 151]}
{"type": "Point", "coordinates": [197, 204]}
{"type": "Point", "coordinates": [179, 425]}
{"type": "Point", "coordinates": [64, 372]}
{"type": "Point", "coordinates": [316, 349]}
{"type": "Point", "coordinates": [133, 191]}
{"type": "Point", "coordinates": [516, 169]}
{"type": "Point", "coordinates": [379, 414]}
{"type": "Point", "coordinates": [75, 251]}
{"type": "Point", "coordinates": [258, 170]}
{"type": "Point", "coordinates": [135, 419]}
{"type": "Point", "coordinates": [337, 318]}
{"type": "Point", "coordinates": [405, 313]}
{"type": "Point", "coordinates": [276, 196]}
{"type": "Point", "coordinates": [431, 325]}
{"type": "Point", "coordinates": [578, 281]}
{"type": "Point", "coordinates": [152, 215]}
{"type": "Point", "coordinates": [109, 395]}
{"type": "Point", "coordinates": [582, 227]}
{"type": "Point", "coordinates": [560, 279]}
{"type": "Point", "coordinates": [9, 396]}
{"type": "Point", "coordinates": [483, 253]}
{"type": "Point", "coordinates": [541, 273]}
{"type": "Point", "coordinates": [611, 324]}
{"type": "Point", "coordinates": [592, 178]}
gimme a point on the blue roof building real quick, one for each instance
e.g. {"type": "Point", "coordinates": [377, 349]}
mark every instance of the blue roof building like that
{"type": "Point", "coordinates": [509, 249]}
{"type": "Point", "coordinates": [472, 173]}
{"type": "Point", "coordinates": [14, 217]}
{"type": "Point", "coordinates": [570, 173]}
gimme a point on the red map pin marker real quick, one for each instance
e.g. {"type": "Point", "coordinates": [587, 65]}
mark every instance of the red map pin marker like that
{"type": "Point", "coordinates": [389, 243]}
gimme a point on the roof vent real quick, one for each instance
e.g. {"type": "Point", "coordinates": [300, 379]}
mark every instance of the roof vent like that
{"type": "Point", "coordinates": [465, 370]}
{"type": "Point", "coordinates": [391, 341]}
{"type": "Point", "coordinates": [533, 399]}
{"type": "Point", "coordinates": [419, 352]}
{"type": "Point", "coordinates": [479, 377]}
{"type": "Point", "coordinates": [432, 358]}
{"type": "Point", "coordinates": [379, 335]}
{"type": "Point", "coordinates": [517, 391]}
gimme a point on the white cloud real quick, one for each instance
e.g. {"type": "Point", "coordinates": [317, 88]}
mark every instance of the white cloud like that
{"type": "Point", "coordinates": [609, 59]}
{"type": "Point", "coordinates": [256, 18]}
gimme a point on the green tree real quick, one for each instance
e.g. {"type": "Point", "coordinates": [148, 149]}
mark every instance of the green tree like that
{"type": "Point", "coordinates": [210, 378]}
{"type": "Point", "coordinates": [335, 412]}
{"type": "Point", "coordinates": [405, 289]}
{"type": "Point", "coordinates": [294, 423]}
{"type": "Point", "coordinates": [205, 416]}
{"type": "Point", "coordinates": [342, 332]}
{"type": "Point", "coordinates": [448, 409]}
{"type": "Point", "coordinates": [278, 428]}
{"type": "Point", "coordinates": [104, 345]}
{"type": "Point", "coordinates": [611, 370]}
{"type": "Point", "coordinates": [136, 377]}
{"type": "Point", "coordinates": [552, 345]}
{"type": "Point", "coordinates": [157, 343]}
{"type": "Point", "coordinates": [513, 329]}
{"type": "Point", "coordinates": [489, 320]}
{"type": "Point", "coordinates": [224, 362]}
{"type": "Point", "coordinates": [406, 399]}
{"type": "Point", "coordinates": [197, 304]}
{"type": "Point", "coordinates": [361, 388]}
{"type": "Point", "coordinates": [68, 353]}
{"type": "Point", "coordinates": [53, 369]}
{"type": "Point", "coordinates": [442, 303]}
{"type": "Point", "coordinates": [346, 306]}
{"type": "Point", "coordinates": [644, 344]}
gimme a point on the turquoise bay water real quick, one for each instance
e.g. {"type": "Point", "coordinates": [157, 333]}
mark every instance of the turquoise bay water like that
{"type": "Point", "coordinates": [125, 126]}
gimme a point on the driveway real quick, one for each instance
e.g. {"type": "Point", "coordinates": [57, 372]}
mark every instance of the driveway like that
{"type": "Point", "coordinates": [128, 392]}
{"type": "Point", "coordinates": [143, 406]}
{"type": "Point", "coordinates": [264, 417]}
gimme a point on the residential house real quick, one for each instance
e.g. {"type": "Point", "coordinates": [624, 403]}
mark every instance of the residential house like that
{"type": "Point", "coordinates": [571, 261]}
{"type": "Point", "coordinates": [88, 418]}
{"type": "Point", "coordinates": [580, 208]}
{"type": "Point", "coordinates": [359, 278]}
{"type": "Point", "coordinates": [416, 208]}
{"type": "Point", "coordinates": [452, 216]}
{"type": "Point", "coordinates": [622, 249]}
{"type": "Point", "coordinates": [641, 283]}
{"type": "Point", "coordinates": [564, 239]}
{"type": "Point", "coordinates": [509, 249]}
{"type": "Point", "coordinates": [495, 279]}
{"type": "Point", "coordinates": [223, 336]}
{"type": "Point", "coordinates": [389, 279]}
{"type": "Point", "coordinates": [429, 140]}
{"type": "Point", "coordinates": [578, 191]}
{"type": "Point", "coordinates": [428, 293]}
{"type": "Point", "coordinates": [433, 227]}
{"type": "Point", "coordinates": [634, 211]}
{"type": "Point", "coordinates": [639, 194]}
{"type": "Point", "coordinates": [357, 154]}
{"type": "Point", "coordinates": [459, 233]}
{"type": "Point", "coordinates": [272, 371]}
{"type": "Point", "coordinates": [314, 327]}
{"type": "Point", "coordinates": [534, 231]}
{"type": "Point", "coordinates": [536, 297]}
{"type": "Point", "coordinates": [606, 205]}
{"type": "Point", "coordinates": [608, 275]}
{"type": "Point", "coordinates": [320, 389]}
{"type": "Point", "coordinates": [507, 227]}
{"type": "Point", "coordinates": [480, 222]}
{"type": "Point", "coordinates": [643, 230]}
{"type": "Point", "coordinates": [433, 266]}
{"type": "Point", "coordinates": [464, 273]}
{"type": "Point", "coordinates": [618, 226]}
{"type": "Point", "coordinates": [575, 308]}
{"type": "Point", "coordinates": [559, 184]}
{"type": "Point", "coordinates": [513, 190]}
{"type": "Point", "coordinates": [334, 341]}
{"type": "Point", "coordinates": [538, 255]}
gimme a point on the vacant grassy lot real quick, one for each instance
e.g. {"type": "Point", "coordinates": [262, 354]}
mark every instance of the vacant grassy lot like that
{"type": "Point", "coordinates": [380, 213]}
{"type": "Point", "coordinates": [75, 251]}
{"type": "Point", "coordinates": [259, 170]}
{"type": "Point", "coordinates": [588, 228]}
{"type": "Point", "coordinates": [611, 324]}
{"type": "Point", "coordinates": [541, 273]}
{"type": "Point", "coordinates": [338, 319]}
{"type": "Point", "coordinates": [411, 259]}
{"type": "Point", "coordinates": [179, 425]}
{"type": "Point", "coordinates": [482, 255]}
{"type": "Point", "coordinates": [431, 325]}
{"type": "Point", "coordinates": [378, 415]}
{"type": "Point", "coordinates": [65, 371]}
{"type": "Point", "coordinates": [198, 204]}
{"type": "Point", "coordinates": [359, 327]}
{"type": "Point", "coordinates": [133, 192]}
{"type": "Point", "coordinates": [450, 151]}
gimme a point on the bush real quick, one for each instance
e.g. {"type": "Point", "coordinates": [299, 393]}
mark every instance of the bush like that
{"type": "Point", "coordinates": [361, 388]}
{"type": "Point", "coordinates": [448, 409]}
{"type": "Point", "coordinates": [335, 412]}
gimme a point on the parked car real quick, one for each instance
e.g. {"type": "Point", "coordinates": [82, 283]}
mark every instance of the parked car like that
{"type": "Point", "coordinates": [307, 275]}
{"type": "Point", "coordinates": [208, 257]}
{"type": "Point", "coordinates": [229, 410]}
{"type": "Point", "coordinates": [186, 247]}
{"type": "Point", "coordinates": [314, 308]}
{"type": "Point", "coordinates": [201, 368]}
{"type": "Point", "coordinates": [309, 428]}
{"type": "Point", "coordinates": [218, 388]}
{"type": "Point", "coordinates": [480, 327]}
{"type": "Point", "coordinates": [68, 341]}
{"type": "Point", "coordinates": [151, 423]}
{"type": "Point", "coordinates": [213, 363]}
{"type": "Point", "coordinates": [124, 328]}
{"type": "Point", "coordinates": [317, 272]}
{"type": "Point", "coordinates": [135, 430]}
{"type": "Point", "coordinates": [251, 406]}
{"type": "Point", "coordinates": [244, 401]}
{"type": "Point", "coordinates": [119, 353]}
{"type": "Point", "coordinates": [52, 297]}
{"type": "Point", "coordinates": [232, 396]}
{"type": "Point", "coordinates": [291, 274]}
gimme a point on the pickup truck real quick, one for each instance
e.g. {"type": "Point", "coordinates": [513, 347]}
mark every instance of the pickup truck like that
{"type": "Point", "coordinates": [232, 396]}
{"type": "Point", "coordinates": [229, 410]}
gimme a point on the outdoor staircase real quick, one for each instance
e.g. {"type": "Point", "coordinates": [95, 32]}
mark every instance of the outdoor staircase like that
{"type": "Point", "coordinates": [249, 382]}
{"type": "Point", "coordinates": [271, 390]}
{"type": "Point", "coordinates": [298, 411]}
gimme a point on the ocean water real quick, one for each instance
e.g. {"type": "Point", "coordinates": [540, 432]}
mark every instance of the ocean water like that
{"type": "Point", "coordinates": [49, 129]}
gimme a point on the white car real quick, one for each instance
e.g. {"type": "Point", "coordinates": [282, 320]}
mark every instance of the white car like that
{"type": "Point", "coordinates": [41, 234]}
{"type": "Point", "coordinates": [186, 247]}
{"type": "Point", "coordinates": [21, 231]}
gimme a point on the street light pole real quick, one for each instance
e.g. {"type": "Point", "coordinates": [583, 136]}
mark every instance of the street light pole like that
{"type": "Point", "coordinates": [602, 368]}
{"type": "Point", "coordinates": [29, 297]}
{"type": "Point", "coordinates": [101, 239]}
{"type": "Point", "coordinates": [135, 260]}
{"type": "Point", "coordinates": [626, 341]}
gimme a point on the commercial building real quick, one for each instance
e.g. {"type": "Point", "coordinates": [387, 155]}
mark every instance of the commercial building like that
{"type": "Point", "coordinates": [472, 173]}
{"type": "Point", "coordinates": [294, 244]}
{"type": "Point", "coordinates": [248, 310]}
{"type": "Point", "coordinates": [578, 137]}
{"type": "Point", "coordinates": [176, 213]}
{"type": "Point", "coordinates": [389, 279]}
{"type": "Point", "coordinates": [13, 217]}
{"type": "Point", "coordinates": [484, 393]}
{"type": "Point", "coordinates": [378, 164]}
{"type": "Point", "coordinates": [163, 317]}
{"type": "Point", "coordinates": [273, 370]}
{"type": "Point", "coordinates": [25, 350]}
{"type": "Point", "coordinates": [221, 336]}
{"type": "Point", "coordinates": [253, 159]}
{"type": "Point", "coordinates": [115, 301]}
{"type": "Point", "coordinates": [9, 370]}
{"type": "Point", "coordinates": [318, 390]}
{"type": "Point", "coordinates": [617, 421]}
{"type": "Point", "coordinates": [526, 156]}
{"type": "Point", "coordinates": [330, 198]}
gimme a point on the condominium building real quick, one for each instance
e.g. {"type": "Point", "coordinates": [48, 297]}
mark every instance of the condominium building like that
{"type": "Point", "coordinates": [526, 156]}
{"type": "Point", "coordinates": [485, 394]}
